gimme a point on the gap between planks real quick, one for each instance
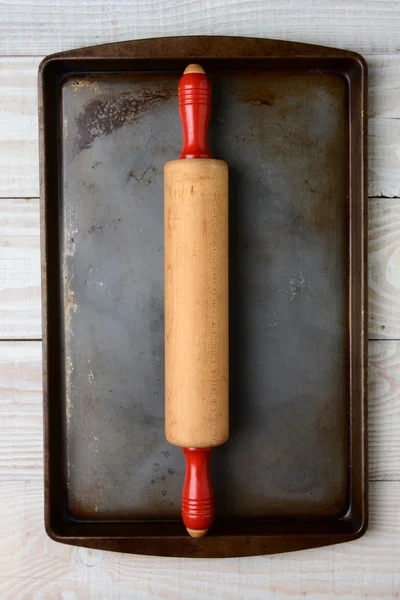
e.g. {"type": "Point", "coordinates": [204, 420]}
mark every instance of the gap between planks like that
{"type": "Point", "coordinates": [59, 25]}
{"type": "Point", "coordinates": [21, 340]}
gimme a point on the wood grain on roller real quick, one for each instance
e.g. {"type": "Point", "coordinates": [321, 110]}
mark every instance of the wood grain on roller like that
{"type": "Point", "coordinates": [196, 301]}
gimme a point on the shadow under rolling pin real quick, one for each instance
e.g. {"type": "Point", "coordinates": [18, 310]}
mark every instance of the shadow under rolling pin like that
{"type": "Point", "coordinates": [196, 301]}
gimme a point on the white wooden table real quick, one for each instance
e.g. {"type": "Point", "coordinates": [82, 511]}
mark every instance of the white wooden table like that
{"type": "Point", "coordinates": [31, 565]}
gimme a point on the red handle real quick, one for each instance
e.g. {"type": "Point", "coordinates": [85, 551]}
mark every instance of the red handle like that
{"type": "Point", "coordinates": [194, 94]}
{"type": "Point", "coordinates": [197, 495]}
{"type": "Point", "coordinates": [195, 109]}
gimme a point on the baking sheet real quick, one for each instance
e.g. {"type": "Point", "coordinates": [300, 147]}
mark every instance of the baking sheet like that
{"type": "Point", "coordinates": [288, 131]}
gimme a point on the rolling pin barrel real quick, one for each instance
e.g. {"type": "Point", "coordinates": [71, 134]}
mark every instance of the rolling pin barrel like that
{"type": "Point", "coordinates": [196, 308]}
{"type": "Point", "coordinates": [196, 301]}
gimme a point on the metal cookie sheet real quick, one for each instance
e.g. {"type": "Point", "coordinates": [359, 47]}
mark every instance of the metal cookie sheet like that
{"type": "Point", "coordinates": [289, 120]}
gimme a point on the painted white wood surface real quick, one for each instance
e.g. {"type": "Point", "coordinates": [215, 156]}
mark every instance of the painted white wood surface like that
{"type": "Point", "coordinates": [31, 565]}
{"type": "Point", "coordinates": [20, 314]}
{"type": "Point", "coordinates": [384, 268]}
{"type": "Point", "coordinates": [19, 151]}
{"type": "Point", "coordinates": [384, 410]}
{"type": "Point", "coordinates": [45, 26]}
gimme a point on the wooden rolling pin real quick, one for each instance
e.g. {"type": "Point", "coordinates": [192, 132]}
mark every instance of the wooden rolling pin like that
{"type": "Point", "coordinates": [196, 301]}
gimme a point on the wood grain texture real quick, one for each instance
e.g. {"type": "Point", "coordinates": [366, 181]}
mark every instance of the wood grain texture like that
{"type": "Point", "coordinates": [20, 314]}
{"type": "Point", "coordinates": [19, 160]}
{"type": "Point", "coordinates": [384, 410]}
{"type": "Point", "coordinates": [19, 155]}
{"type": "Point", "coordinates": [33, 566]}
{"type": "Point", "coordinates": [45, 26]}
{"type": "Point", "coordinates": [384, 87]}
{"type": "Point", "coordinates": [21, 428]}
{"type": "Point", "coordinates": [384, 126]}
{"type": "Point", "coordinates": [384, 157]}
{"type": "Point", "coordinates": [384, 268]}
{"type": "Point", "coordinates": [196, 302]}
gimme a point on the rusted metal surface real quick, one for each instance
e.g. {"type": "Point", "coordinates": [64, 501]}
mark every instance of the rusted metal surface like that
{"type": "Point", "coordinates": [293, 472]}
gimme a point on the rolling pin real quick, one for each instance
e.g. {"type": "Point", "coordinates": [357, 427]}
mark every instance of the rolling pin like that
{"type": "Point", "coordinates": [196, 301]}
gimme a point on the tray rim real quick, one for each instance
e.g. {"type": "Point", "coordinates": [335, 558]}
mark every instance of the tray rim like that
{"type": "Point", "coordinates": [171, 540]}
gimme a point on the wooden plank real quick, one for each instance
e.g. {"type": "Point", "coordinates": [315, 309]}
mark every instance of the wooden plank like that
{"type": "Point", "coordinates": [384, 126]}
{"type": "Point", "coordinates": [33, 566]}
{"type": "Point", "coordinates": [21, 411]}
{"type": "Point", "coordinates": [384, 268]}
{"type": "Point", "coordinates": [384, 157]}
{"type": "Point", "coordinates": [383, 86]}
{"type": "Point", "coordinates": [20, 314]}
{"type": "Point", "coordinates": [19, 129]}
{"type": "Point", "coordinates": [384, 410]}
{"type": "Point", "coordinates": [51, 26]}
{"type": "Point", "coordinates": [21, 427]}
{"type": "Point", "coordinates": [19, 156]}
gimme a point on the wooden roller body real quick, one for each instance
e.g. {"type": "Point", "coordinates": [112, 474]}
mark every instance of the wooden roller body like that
{"type": "Point", "coordinates": [196, 302]}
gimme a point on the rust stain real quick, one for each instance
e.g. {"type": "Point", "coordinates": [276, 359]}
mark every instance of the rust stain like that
{"type": "Point", "coordinates": [322, 210]}
{"type": "Point", "coordinates": [251, 88]}
{"type": "Point", "coordinates": [262, 102]}
{"type": "Point", "coordinates": [102, 116]}
{"type": "Point", "coordinates": [84, 83]}
{"type": "Point", "coordinates": [260, 97]}
{"type": "Point", "coordinates": [323, 215]}
{"type": "Point", "coordinates": [70, 307]}
{"type": "Point", "coordinates": [70, 303]}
